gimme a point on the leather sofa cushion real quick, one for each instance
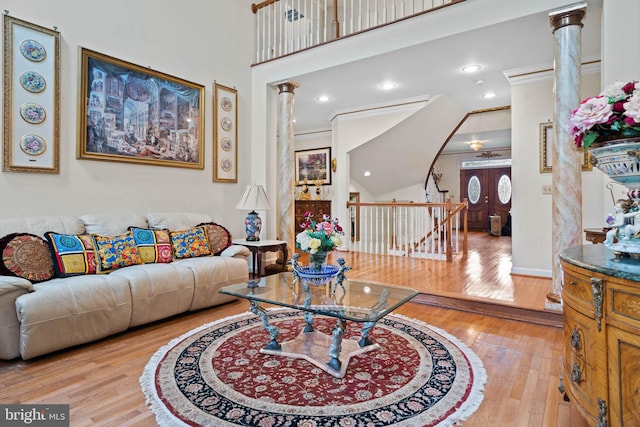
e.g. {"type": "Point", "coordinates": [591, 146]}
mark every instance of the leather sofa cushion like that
{"type": "Point", "coordinates": [110, 224]}
{"type": "Point", "coordinates": [39, 225]}
{"type": "Point", "coordinates": [176, 220]}
{"type": "Point", "coordinates": [65, 312]}
{"type": "Point", "coordinates": [157, 291]}
{"type": "Point", "coordinates": [210, 274]}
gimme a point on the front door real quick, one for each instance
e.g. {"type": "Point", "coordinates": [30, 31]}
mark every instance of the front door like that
{"type": "Point", "coordinates": [488, 192]}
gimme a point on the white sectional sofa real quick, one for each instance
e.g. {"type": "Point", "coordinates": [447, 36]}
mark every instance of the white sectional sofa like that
{"type": "Point", "coordinates": [38, 318]}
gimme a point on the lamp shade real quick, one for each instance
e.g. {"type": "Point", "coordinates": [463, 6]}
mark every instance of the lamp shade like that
{"type": "Point", "coordinates": [254, 198]}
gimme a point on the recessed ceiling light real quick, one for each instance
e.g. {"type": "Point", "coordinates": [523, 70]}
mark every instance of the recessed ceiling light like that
{"type": "Point", "coordinates": [489, 95]}
{"type": "Point", "coordinates": [323, 98]}
{"type": "Point", "coordinates": [472, 68]}
{"type": "Point", "coordinates": [479, 82]}
{"type": "Point", "coordinates": [387, 85]}
{"type": "Point", "coordinates": [367, 173]}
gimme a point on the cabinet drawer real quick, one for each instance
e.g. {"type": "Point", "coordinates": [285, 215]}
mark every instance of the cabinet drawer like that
{"type": "Point", "coordinates": [584, 364]}
{"type": "Point", "coordinates": [578, 288]}
{"type": "Point", "coordinates": [624, 306]}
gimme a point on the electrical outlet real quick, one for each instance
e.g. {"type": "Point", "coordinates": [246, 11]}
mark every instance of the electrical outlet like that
{"type": "Point", "coordinates": [546, 189]}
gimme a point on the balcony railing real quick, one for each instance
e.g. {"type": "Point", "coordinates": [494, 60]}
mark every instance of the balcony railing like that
{"type": "Point", "coordinates": [288, 26]}
{"type": "Point", "coordinates": [421, 230]}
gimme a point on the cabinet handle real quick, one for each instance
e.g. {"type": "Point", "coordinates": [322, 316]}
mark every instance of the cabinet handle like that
{"type": "Point", "coordinates": [575, 340]}
{"type": "Point", "coordinates": [573, 282]}
{"type": "Point", "coordinates": [576, 376]}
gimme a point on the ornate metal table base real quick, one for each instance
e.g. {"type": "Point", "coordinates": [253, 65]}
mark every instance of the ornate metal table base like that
{"type": "Point", "coordinates": [314, 347]}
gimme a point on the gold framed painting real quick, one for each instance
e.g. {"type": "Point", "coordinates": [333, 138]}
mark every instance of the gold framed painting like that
{"type": "Point", "coordinates": [129, 113]}
{"type": "Point", "coordinates": [546, 150]}
{"type": "Point", "coordinates": [31, 97]}
{"type": "Point", "coordinates": [313, 166]}
{"type": "Point", "coordinates": [225, 134]}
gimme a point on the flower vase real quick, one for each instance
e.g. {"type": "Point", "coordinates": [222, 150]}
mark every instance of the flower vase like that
{"type": "Point", "coordinates": [619, 160]}
{"type": "Point", "coordinates": [318, 260]}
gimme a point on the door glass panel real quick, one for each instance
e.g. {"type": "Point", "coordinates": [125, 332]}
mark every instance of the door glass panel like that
{"type": "Point", "coordinates": [504, 189]}
{"type": "Point", "coordinates": [473, 189]}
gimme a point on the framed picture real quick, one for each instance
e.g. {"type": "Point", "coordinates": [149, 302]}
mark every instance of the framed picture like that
{"type": "Point", "coordinates": [133, 114]}
{"type": "Point", "coordinates": [546, 150]}
{"type": "Point", "coordinates": [31, 97]}
{"type": "Point", "coordinates": [313, 166]}
{"type": "Point", "coordinates": [225, 134]}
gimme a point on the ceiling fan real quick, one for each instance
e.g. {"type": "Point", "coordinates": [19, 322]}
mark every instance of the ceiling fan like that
{"type": "Point", "coordinates": [488, 155]}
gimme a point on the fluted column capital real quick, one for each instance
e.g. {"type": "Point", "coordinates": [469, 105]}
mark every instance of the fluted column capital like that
{"type": "Point", "coordinates": [571, 15]}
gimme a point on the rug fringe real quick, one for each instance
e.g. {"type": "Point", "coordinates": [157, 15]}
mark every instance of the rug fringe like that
{"type": "Point", "coordinates": [476, 395]}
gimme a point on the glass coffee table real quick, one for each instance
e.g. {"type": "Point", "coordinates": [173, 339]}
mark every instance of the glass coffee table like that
{"type": "Point", "coordinates": [346, 300]}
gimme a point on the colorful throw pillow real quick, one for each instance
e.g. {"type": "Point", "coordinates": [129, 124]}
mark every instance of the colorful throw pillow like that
{"type": "Point", "coordinates": [72, 254]}
{"type": "Point", "coordinates": [190, 243]}
{"type": "Point", "coordinates": [219, 237]}
{"type": "Point", "coordinates": [154, 246]}
{"type": "Point", "coordinates": [115, 252]}
{"type": "Point", "coordinates": [26, 255]}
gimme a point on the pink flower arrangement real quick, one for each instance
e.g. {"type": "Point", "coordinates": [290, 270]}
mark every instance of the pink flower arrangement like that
{"type": "Point", "coordinates": [613, 114]}
{"type": "Point", "coordinates": [319, 236]}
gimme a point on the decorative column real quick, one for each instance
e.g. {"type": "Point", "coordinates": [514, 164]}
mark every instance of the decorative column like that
{"type": "Point", "coordinates": [286, 210]}
{"type": "Point", "coordinates": [566, 167]}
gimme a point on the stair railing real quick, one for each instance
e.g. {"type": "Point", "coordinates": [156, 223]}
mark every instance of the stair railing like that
{"type": "Point", "coordinates": [284, 27]}
{"type": "Point", "coordinates": [420, 230]}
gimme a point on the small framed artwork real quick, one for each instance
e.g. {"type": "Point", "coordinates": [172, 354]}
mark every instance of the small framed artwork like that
{"type": "Point", "coordinates": [546, 150]}
{"type": "Point", "coordinates": [31, 97]}
{"type": "Point", "coordinates": [133, 114]}
{"type": "Point", "coordinates": [313, 166]}
{"type": "Point", "coordinates": [225, 134]}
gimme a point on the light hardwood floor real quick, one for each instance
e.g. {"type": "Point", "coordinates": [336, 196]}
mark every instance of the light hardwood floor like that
{"type": "Point", "coordinates": [522, 359]}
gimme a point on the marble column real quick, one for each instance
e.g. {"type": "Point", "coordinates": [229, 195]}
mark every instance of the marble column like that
{"type": "Point", "coordinates": [566, 167]}
{"type": "Point", "coordinates": [286, 167]}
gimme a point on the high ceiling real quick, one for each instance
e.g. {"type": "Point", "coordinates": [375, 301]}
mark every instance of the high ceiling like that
{"type": "Point", "coordinates": [435, 68]}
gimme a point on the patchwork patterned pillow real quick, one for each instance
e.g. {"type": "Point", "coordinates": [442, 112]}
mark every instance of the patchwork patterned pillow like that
{"type": "Point", "coordinates": [219, 237]}
{"type": "Point", "coordinates": [26, 255]}
{"type": "Point", "coordinates": [115, 252]}
{"type": "Point", "coordinates": [72, 254]}
{"type": "Point", "coordinates": [154, 246]}
{"type": "Point", "coordinates": [190, 243]}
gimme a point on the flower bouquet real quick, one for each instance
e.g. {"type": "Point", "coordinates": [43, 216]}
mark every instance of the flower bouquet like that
{"type": "Point", "coordinates": [612, 115]}
{"type": "Point", "coordinates": [318, 238]}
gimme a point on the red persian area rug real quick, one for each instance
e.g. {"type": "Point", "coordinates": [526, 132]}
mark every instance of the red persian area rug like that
{"type": "Point", "coordinates": [216, 376]}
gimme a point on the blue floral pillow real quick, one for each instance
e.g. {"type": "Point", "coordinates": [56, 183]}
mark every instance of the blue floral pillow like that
{"type": "Point", "coordinates": [115, 252]}
{"type": "Point", "coordinates": [190, 243]}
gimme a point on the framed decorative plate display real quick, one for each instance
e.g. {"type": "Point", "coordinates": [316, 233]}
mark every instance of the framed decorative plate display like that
{"type": "Point", "coordinates": [32, 81]}
{"type": "Point", "coordinates": [32, 50]}
{"type": "Point", "coordinates": [165, 128]}
{"type": "Point", "coordinates": [32, 97]}
{"type": "Point", "coordinates": [32, 112]}
{"type": "Point", "coordinates": [225, 150]}
{"type": "Point", "coordinates": [32, 145]}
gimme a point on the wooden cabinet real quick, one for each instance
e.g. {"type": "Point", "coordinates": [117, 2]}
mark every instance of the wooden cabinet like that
{"type": "Point", "coordinates": [317, 207]}
{"type": "Point", "coordinates": [601, 366]}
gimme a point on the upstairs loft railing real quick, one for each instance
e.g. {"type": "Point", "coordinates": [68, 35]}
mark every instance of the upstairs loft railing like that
{"type": "Point", "coordinates": [420, 230]}
{"type": "Point", "coordinates": [284, 27]}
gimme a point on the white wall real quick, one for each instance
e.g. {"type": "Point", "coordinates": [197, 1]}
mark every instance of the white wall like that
{"type": "Point", "coordinates": [199, 41]}
{"type": "Point", "coordinates": [531, 104]}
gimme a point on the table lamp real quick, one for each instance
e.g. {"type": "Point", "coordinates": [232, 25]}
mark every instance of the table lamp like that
{"type": "Point", "coordinates": [254, 198]}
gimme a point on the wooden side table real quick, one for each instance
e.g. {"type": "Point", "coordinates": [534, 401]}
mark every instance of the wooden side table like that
{"type": "Point", "coordinates": [260, 247]}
